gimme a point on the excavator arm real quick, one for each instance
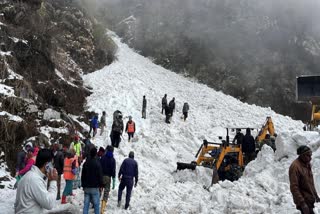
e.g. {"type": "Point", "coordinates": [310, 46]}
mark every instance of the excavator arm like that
{"type": "Point", "coordinates": [267, 127]}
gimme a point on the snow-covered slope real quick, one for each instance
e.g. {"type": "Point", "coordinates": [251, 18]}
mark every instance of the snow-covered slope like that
{"type": "Point", "coordinates": [158, 146]}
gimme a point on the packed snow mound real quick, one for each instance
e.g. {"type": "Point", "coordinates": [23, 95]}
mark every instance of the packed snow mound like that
{"type": "Point", "coordinates": [264, 187]}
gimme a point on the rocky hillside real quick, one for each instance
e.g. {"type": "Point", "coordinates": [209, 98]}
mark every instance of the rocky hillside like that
{"type": "Point", "coordinates": [252, 50]}
{"type": "Point", "coordinates": [45, 48]}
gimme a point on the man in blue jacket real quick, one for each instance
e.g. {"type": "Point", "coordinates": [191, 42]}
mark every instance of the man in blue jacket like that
{"type": "Point", "coordinates": [128, 171]}
{"type": "Point", "coordinates": [108, 164]}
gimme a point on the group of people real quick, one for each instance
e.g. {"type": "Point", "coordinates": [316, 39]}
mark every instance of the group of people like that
{"type": "Point", "coordinates": [169, 108]}
{"type": "Point", "coordinates": [40, 186]}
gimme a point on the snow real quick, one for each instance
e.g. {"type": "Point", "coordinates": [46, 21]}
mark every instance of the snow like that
{"type": "Point", "coordinates": [11, 116]}
{"type": "Point", "coordinates": [3, 53]}
{"type": "Point", "coordinates": [6, 90]}
{"type": "Point", "coordinates": [15, 40]}
{"type": "Point", "coordinates": [60, 75]}
{"type": "Point", "coordinates": [51, 114]}
{"type": "Point", "coordinates": [264, 187]}
{"type": "Point", "coordinates": [46, 130]}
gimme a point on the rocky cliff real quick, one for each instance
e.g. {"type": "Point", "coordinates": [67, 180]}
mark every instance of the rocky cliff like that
{"type": "Point", "coordinates": [45, 47]}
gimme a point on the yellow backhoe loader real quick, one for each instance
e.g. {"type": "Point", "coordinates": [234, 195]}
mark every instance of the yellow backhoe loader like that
{"type": "Point", "coordinates": [225, 159]}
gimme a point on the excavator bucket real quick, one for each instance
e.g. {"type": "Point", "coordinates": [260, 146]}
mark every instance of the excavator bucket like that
{"type": "Point", "coordinates": [182, 166]}
{"type": "Point", "coordinates": [308, 89]}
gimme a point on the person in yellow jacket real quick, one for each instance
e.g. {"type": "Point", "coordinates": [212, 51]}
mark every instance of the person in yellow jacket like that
{"type": "Point", "coordinates": [130, 128]}
{"type": "Point", "coordinates": [69, 173]}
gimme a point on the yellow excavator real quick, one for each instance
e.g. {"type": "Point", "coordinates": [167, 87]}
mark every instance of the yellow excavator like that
{"type": "Point", "coordinates": [308, 91]}
{"type": "Point", "coordinates": [225, 159]}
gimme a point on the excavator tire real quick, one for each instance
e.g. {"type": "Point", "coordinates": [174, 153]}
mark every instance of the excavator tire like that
{"type": "Point", "coordinates": [182, 166]}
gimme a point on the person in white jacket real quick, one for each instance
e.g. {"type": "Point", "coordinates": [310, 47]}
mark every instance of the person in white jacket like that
{"type": "Point", "coordinates": [32, 194]}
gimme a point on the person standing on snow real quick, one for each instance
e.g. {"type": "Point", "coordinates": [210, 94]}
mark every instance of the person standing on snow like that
{"type": "Point", "coordinates": [69, 173]}
{"type": "Point", "coordinates": [116, 129]}
{"type": "Point", "coordinates": [58, 161]}
{"type": "Point", "coordinates": [301, 181]}
{"type": "Point", "coordinates": [185, 110]}
{"type": "Point", "coordinates": [172, 106]}
{"type": "Point", "coordinates": [32, 194]}
{"type": "Point", "coordinates": [167, 112]}
{"type": "Point", "coordinates": [21, 157]}
{"type": "Point", "coordinates": [103, 122]}
{"type": "Point", "coordinates": [91, 180]}
{"type": "Point", "coordinates": [95, 125]}
{"type": "Point", "coordinates": [248, 147]}
{"type": "Point", "coordinates": [128, 171]}
{"type": "Point", "coordinates": [30, 161]}
{"type": "Point", "coordinates": [108, 164]}
{"type": "Point", "coordinates": [164, 103]}
{"type": "Point", "coordinates": [130, 128]}
{"type": "Point", "coordinates": [144, 107]}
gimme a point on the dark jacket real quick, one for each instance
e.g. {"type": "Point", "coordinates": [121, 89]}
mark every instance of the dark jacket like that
{"type": "Point", "coordinates": [239, 138]}
{"type": "Point", "coordinates": [21, 163]}
{"type": "Point", "coordinates": [302, 183]}
{"type": "Point", "coordinates": [91, 174]}
{"type": "Point", "coordinates": [144, 104]}
{"type": "Point", "coordinates": [117, 126]}
{"type": "Point", "coordinates": [248, 144]}
{"type": "Point", "coordinates": [172, 105]}
{"type": "Point", "coordinates": [108, 164]}
{"type": "Point", "coordinates": [88, 146]}
{"type": "Point", "coordinates": [129, 169]}
{"type": "Point", "coordinates": [58, 162]}
{"type": "Point", "coordinates": [167, 110]}
{"type": "Point", "coordinates": [164, 102]}
{"type": "Point", "coordinates": [185, 108]}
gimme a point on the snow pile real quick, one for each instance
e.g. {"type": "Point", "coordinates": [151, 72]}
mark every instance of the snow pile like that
{"type": "Point", "coordinates": [11, 116]}
{"type": "Point", "coordinates": [6, 90]}
{"type": "Point", "coordinates": [264, 188]}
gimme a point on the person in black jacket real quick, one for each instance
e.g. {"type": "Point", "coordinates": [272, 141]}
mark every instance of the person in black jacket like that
{"type": "Point", "coordinates": [108, 164]}
{"type": "Point", "coordinates": [248, 147]}
{"type": "Point", "coordinates": [238, 139]}
{"type": "Point", "coordinates": [128, 171]}
{"type": "Point", "coordinates": [91, 180]}
{"type": "Point", "coordinates": [167, 111]}
{"type": "Point", "coordinates": [172, 106]}
{"type": "Point", "coordinates": [58, 162]}
{"type": "Point", "coordinates": [164, 103]}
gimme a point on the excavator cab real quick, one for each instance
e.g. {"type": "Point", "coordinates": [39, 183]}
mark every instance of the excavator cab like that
{"type": "Point", "coordinates": [308, 91]}
{"type": "Point", "coordinates": [225, 159]}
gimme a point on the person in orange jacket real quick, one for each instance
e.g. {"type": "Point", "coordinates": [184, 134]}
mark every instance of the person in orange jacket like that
{"type": "Point", "coordinates": [69, 173]}
{"type": "Point", "coordinates": [130, 128]}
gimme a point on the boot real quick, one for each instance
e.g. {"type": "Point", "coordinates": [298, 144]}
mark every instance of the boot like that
{"type": "Point", "coordinates": [119, 204]}
{"type": "Point", "coordinates": [103, 206]}
{"type": "Point", "coordinates": [64, 199]}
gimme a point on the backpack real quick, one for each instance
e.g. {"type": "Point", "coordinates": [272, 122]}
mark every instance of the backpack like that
{"type": "Point", "coordinates": [117, 122]}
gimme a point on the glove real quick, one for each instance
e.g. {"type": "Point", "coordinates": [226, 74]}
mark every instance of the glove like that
{"type": "Point", "coordinates": [113, 183]}
{"type": "Point", "coordinates": [305, 209]}
{"type": "Point", "coordinates": [135, 185]}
